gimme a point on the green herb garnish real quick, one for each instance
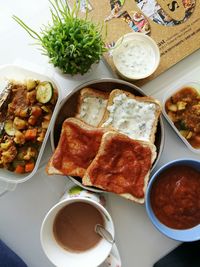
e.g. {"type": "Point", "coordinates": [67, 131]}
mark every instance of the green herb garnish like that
{"type": "Point", "coordinates": [72, 44]}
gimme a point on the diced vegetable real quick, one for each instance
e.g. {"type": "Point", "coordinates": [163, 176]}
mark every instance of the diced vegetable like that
{"type": "Point", "coordinates": [29, 167]}
{"type": "Point", "coordinates": [46, 109]}
{"type": "Point", "coordinates": [6, 144]}
{"type": "Point", "coordinates": [181, 105]}
{"type": "Point", "coordinates": [9, 128]}
{"type": "Point", "coordinates": [189, 135]}
{"type": "Point", "coordinates": [30, 153]}
{"type": "Point", "coordinates": [19, 123]}
{"type": "Point", "coordinates": [36, 111]}
{"type": "Point", "coordinates": [31, 84]}
{"type": "Point", "coordinates": [45, 124]}
{"type": "Point", "coordinates": [172, 107]}
{"type": "Point", "coordinates": [19, 138]}
{"type": "Point", "coordinates": [31, 97]}
{"type": "Point", "coordinates": [31, 134]}
{"type": "Point", "coordinates": [44, 92]}
{"type": "Point", "coordinates": [184, 133]}
{"type": "Point", "coordinates": [41, 135]}
{"type": "Point", "coordinates": [19, 169]}
{"type": "Point", "coordinates": [32, 120]}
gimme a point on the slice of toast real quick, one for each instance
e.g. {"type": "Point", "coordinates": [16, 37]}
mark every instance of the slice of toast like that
{"type": "Point", "coordinates": [134, 116]}
{"type": "Point", "coordinates": [122, 166]}
{"type": "Point", "coordinates": [77, 147]}
{"type": "Point", "coordinates": [91, 106]}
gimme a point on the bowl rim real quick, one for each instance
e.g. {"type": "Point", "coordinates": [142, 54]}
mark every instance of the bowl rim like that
{"type": "Point", "coordinates": [133, 36]}
{"type": "Point", "coordinates": [184, 235]}
{"type": "Point", "coordinates": [96, 81]}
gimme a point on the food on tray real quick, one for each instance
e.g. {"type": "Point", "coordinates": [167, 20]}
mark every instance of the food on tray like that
{"type": "Point", "coordinates": [25, 118]}
{"type": "Point", "coordinates": [122, 166]}
{"type": "Point", "coordinates": [183, 108]}
{"type": "Point", "coordinates": [182, 209]}
{"type": "Point", "coordinates": [102, 155]}
{"type": "Point", "coordinates": [91, 105]}
{"type": "Point", "coordinates": [77, 147]}
{"type": "Point", "coordinates": [134, 116]}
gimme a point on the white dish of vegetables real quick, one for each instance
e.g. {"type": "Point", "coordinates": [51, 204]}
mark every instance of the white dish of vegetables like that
{"type": "Point", "coordinates": [26, 119]}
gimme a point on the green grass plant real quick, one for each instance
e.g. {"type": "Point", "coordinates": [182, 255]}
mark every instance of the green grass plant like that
{"type": "Point", "coordinates": [72, 44]}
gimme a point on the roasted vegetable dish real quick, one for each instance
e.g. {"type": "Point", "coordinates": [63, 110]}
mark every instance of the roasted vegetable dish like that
{"type": "Point", "coordinates": [25, 118]}
{"type": "Point", "coordinates": [183, 108]}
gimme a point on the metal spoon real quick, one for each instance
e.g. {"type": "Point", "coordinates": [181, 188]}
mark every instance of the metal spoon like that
{"type": "Point", "coordinates": [99, 229]}
{"type": "Point", "coordinates": [4, 95]}
{"type": "Point", "coordinates": [4, 98]}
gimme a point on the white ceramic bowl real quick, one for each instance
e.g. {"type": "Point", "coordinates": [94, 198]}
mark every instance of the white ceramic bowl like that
{"type": "Point", "coordinates": [168, 94]}
{"type": "Point", "coordinates": [68, 109]}
{"type": "Point", "coordinates": [18, 73]}
{"type": "Point", "coordinates": [136, 56]}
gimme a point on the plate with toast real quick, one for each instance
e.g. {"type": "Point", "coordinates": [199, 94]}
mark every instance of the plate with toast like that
{"type": "Point", "coordinates": [107, 137]}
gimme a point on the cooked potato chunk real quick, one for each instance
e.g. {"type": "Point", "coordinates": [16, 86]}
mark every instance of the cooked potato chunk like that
{"type": "Point", "coordinates": [19, 123]}
{"type": "Point", "coordinates": [181, 105]}
{"type": "Point", "coordinates": [31, 84]}
{"type": "Point", "coordinates": [19, 138]}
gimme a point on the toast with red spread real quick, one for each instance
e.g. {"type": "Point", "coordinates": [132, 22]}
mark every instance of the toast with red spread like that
{"type": "Point", "coordinates": [122, 166]}
{"type": "Point", "coordinates": [77, 147]}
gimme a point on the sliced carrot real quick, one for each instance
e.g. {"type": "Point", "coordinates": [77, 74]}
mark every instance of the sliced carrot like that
{"type": "Point", "coordinates": [19, 169]}
{"type": "Point", "coordinates": [32, 120]}
{"type": "Point", "coordinates": [31, 134]}
{"type": "Point", "coordinates": [29, 167]}
{"type": "Point", "coordinates": [36, 111]}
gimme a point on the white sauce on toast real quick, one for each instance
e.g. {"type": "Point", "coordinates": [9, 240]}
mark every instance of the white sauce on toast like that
{"type": "Point", "coordinates": [92, 110]}
{"type": "Point", "coordinates": [131, 117]}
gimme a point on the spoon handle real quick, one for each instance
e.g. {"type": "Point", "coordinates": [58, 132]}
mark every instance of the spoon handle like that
{"type": "Point", "coordinates": [99, 229]}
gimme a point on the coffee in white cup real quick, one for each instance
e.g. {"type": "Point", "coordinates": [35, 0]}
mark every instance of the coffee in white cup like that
{"type": "Point", "coordinates": [82, 251]}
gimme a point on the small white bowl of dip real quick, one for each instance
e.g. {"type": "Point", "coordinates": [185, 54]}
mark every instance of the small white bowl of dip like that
{"type": "Point", "coordinates": [136, 56]}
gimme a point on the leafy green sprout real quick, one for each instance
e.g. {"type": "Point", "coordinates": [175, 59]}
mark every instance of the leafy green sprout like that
{"type": "Point", "coordinates": [72, 44]}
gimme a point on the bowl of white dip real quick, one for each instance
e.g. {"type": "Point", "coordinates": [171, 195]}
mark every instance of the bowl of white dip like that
{"type": "Point", "coordinates": [136, 56]}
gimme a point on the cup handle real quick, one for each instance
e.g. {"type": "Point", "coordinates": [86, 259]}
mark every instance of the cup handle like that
{"type": "Point", "coordinates": [6, 187]}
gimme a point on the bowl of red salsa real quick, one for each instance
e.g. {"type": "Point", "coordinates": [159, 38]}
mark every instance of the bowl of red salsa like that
{"type": "Point", "coordinates": [173, 199]}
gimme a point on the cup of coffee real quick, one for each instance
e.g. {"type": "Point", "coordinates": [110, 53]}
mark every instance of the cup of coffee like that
{"type": "Point", "coordinates": [68, 235]}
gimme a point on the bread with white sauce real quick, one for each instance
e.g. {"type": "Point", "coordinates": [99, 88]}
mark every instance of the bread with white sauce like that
{"type": "Point", "coordinates": [91, 106]}
{"type": "Point", "coordinates": [134, 116]}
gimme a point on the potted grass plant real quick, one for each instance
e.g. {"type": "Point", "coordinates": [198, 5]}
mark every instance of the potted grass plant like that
{"type": "Point", "coordinates": [72, 44]}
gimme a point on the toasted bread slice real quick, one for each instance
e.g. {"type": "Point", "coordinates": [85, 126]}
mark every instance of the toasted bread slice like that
{"type": "Point", "coordinates": [91, 106]}
{"type": "Point", "coordinates": [134, 116]}
{"type": "Point", "coordinates": [77, 147]}
{"type": "Point", "coordinates": [122, 166]}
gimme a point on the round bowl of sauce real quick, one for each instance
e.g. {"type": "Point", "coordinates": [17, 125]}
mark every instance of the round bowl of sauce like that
{"type": "Point", "coordinates": [136, 56]}
{"type": "Point", "coordinates": [173, 200]}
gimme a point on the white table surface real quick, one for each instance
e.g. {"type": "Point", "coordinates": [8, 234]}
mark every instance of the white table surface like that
{"type": "Point", "coordinates": [22, 211]}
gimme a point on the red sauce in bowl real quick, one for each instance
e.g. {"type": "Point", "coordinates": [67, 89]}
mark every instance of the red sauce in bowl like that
{"type": "Point", "coordinates": [175, 197]}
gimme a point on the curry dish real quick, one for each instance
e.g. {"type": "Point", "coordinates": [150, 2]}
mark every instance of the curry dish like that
{"type": "Point", "coordinates": [25, 117]}
{"type": "Point", "coordinates": [183, 108]}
